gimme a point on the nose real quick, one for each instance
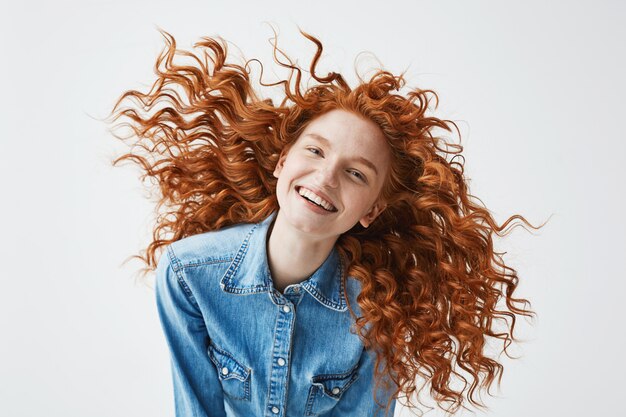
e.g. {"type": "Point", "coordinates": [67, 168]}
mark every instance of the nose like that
{"type": "Point", "coordinates": [327, 176]}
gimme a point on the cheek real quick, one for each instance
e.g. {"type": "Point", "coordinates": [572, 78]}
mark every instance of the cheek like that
{"type": "Point", "coordinates": [283, 183]}
{"type": "Point", "coordinates": [288, 173]}
{"type": "Point", "coordinates": [294, 167]}
{"type": "Point", "coordinates": [361, 200]}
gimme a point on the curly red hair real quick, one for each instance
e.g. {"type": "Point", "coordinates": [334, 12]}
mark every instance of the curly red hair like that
{"type": "Point", "coordinates": [431, 279]}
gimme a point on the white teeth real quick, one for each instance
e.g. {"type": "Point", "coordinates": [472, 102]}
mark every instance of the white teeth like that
{"type": "Point", "coordinates": [314, 197]}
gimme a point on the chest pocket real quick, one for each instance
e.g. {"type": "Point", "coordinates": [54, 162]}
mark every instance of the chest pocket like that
{"type": "Point", "coordinates": [327, 389]}
{"type": "Point", "coordinates": [234, 376]}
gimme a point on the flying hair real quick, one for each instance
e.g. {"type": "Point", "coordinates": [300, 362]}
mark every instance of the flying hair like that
{"type": "Point", "coordinates": [431, 279]}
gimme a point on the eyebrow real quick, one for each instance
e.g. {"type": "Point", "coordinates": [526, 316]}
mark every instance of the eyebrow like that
{"type": "Point", "coordinates": [366, 162]}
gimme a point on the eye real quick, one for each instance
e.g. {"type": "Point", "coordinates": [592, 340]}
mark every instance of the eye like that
{"type": "Point", "coordinates": [314, 150]}
{"type": "Point", "coordinates": [358, 175]}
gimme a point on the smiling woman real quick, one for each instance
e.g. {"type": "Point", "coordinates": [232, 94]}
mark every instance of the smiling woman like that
{"type": "Point", "coordinates": [330, 171]}
{"type": "Point", "coordinates": [318, 256]}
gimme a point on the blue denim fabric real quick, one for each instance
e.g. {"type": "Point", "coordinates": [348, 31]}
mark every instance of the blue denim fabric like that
{"type": "Point", "coordinates": [239, 347]}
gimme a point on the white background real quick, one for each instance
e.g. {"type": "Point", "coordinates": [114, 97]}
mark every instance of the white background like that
{"type": "Point", "coordinates": [536, 87]}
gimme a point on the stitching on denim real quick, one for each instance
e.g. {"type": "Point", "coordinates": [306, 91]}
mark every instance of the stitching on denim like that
{"type": "Point", "coordinates": [245, 369]}
{"type": "Point", "coordinates": [310, 400]}
{"type": "Point", "coordinates": [349, 377]}
{"type": "Point", "coordinates": [243, 249]}
{"type": "Point", "coordinates": [249, 290]}
{"type": "Point", "coordinates": [341, 305]}
{"type": "Point", "coordinates": [274, 333]}
{"type": "Point", "coordinates": [178, 270]}
{"type": "Point", "coordinates": [344, 382]}
{"type": "Point", "coordinates": [247, 378]}
{"type": "Point", "coordinates": [343, 375]}
{"type": "Point", "coordinates": [322, 299]}
{"type": "Point", "coordinates": [211, 261]}
{"type": "Point", "coordinates": [342, 290]}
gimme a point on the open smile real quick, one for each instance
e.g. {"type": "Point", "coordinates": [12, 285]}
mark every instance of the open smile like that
{"type": "Point", "coordinates": [314, 201]}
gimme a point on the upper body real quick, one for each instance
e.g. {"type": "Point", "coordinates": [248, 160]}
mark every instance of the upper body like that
{"type": "Point", "coordinates": [240, 347]}
{"type": "Point", "coordinates": [256, 314]}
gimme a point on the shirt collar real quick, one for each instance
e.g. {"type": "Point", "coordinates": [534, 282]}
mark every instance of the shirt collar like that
{"type": "Point", "coordinates": [249, 271]}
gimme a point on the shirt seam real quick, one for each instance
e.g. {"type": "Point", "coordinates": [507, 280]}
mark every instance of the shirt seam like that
{"type": "Point", "coordinates": [176, 266]}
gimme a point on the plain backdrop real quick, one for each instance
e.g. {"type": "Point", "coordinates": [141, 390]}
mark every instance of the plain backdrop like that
{"type": "Point", "coordinates": [537, 89]}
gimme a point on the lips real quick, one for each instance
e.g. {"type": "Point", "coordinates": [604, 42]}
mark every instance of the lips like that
{"type": "Point", "coordinates": [318, 194]}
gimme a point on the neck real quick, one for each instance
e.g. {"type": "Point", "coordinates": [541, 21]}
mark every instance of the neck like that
{"type": "Point", "coordinates": [294, 255]}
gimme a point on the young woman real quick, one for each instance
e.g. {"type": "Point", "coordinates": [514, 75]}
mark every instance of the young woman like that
{"type": "Point", "coordinates": [323, 254]}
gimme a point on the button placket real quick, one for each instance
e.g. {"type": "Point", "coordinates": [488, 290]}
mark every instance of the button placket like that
{"type": "Point", "coordinates": [279, 376]}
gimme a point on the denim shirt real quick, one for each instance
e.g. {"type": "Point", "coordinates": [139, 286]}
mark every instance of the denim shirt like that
{"type": "Point", "coordinates": [239, 347]}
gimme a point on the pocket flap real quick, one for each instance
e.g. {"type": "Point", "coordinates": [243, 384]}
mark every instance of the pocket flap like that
{"type": "Point", "coordinates": [334, 385]}
{"type": "Point", "coordinates": [227, 366]}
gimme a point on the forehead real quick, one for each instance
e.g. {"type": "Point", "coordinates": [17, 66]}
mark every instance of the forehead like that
{"type": "Point", "coordinates": [349, 134]}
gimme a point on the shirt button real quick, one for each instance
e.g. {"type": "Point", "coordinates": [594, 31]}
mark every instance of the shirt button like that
{"type": "Point", "coordinates": [286, 309]}
{"type": "Point", "coordinates": [296, 289]}
{"type": "Point", "coordinates": [281, 361]}
{"type": "Point", "coordinates": [335, 390]}
{"type": "Point", "coordinates": [275, 410]}
{"type": "Point", "coordinates": [224, 370]}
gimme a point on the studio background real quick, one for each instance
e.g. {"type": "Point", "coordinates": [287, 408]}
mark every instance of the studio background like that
{"type": "Point", "coordinates": [537, 89]}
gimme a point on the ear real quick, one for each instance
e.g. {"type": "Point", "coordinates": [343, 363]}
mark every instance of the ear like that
{"type": "Point", "coordinates": [376, 209]}
{"type": "Point", "coordinates": [280, 163]}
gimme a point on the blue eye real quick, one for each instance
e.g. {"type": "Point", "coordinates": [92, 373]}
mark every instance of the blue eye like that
{"type": "Point", "coordinates": [355, 174]}
{"type": "Point", "coordinates": [358, 175]}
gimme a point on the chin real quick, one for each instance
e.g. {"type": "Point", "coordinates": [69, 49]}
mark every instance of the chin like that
{"type": "Point", "coordinates": [308, 224]}
{"type": "Point", "coordinates": [305, 224]}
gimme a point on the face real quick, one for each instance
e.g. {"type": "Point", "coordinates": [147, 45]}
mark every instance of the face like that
{"type": "Point", "coordinates": [341, 161]}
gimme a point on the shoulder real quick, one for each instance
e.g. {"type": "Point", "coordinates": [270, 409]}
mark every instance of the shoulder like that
{"type": "Point", "coordinates": [209, 247]}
